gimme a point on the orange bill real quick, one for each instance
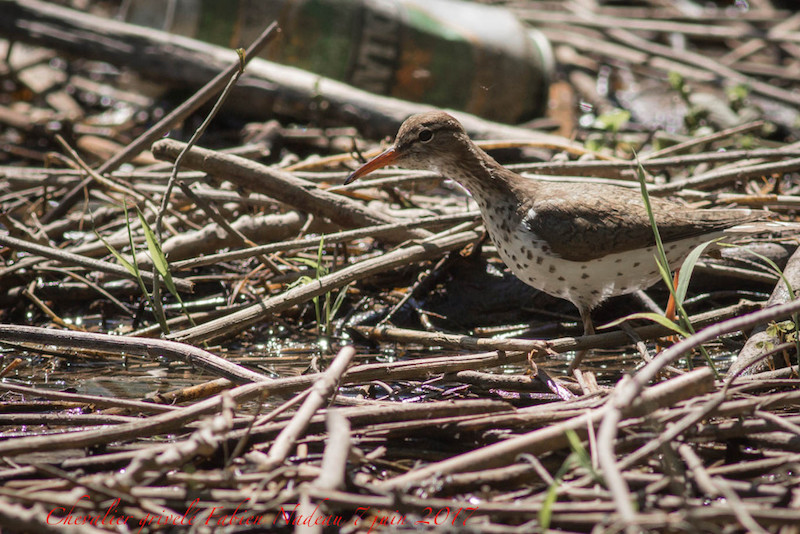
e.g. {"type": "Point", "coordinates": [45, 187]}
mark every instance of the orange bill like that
{"type": "Point", "coordinates": [387, 157]}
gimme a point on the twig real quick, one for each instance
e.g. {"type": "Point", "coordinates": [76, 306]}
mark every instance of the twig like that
{"type": "Point", "coordinates": [70, 258]}
{"type": "Point", "coordinates": [152, 348]}
{"type": "Point", "coordinates": [545, 439]}
{"type": "Point", "coordinates": [95, 400]}
{"type": "Point", "coordinates": [242, 319]}
{"type": "Point", "coordinates": [177, 115]}
{"type": "Point", "coordinates": [626, 392]}
{"type": "Point", "coordinates": [313, 242]}
{"type": "Point", "coordinates": [301, 194]}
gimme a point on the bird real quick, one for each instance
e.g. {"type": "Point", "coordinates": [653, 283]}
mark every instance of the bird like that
{"type": "Point", "coordinates": [583, 242]}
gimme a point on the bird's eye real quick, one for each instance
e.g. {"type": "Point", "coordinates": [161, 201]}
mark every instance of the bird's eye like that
{"type": "Point", "coordinates": [425, 135]}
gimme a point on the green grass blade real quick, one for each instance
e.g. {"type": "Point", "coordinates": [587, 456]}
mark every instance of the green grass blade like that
{"type": "Point", "coordinates": [130, 234]}
{"type": "Point", "coordinates": [339, 300]}
{"type": "Point", "coordinates": [546, 511]}
{"type": "Point", "coordinates": [789, 288]}
{"type": "Point", "coordinates": [320, 250]}
{"type": "Point", "coordinates": [313, 264]}
{"type": "Point", "coordinates": [686, 270]}
{"type": "Point", "coordinates": [666, 274]}
{"type": "Point", "coordinates": [772, 264]}
{"type": "Point", "coordinates": [130, 267]}
{"type": "Point", "coordinates": [662, 256]}
{"type": "Point", "coordinates": [160, 263]}
{"type": "Point", "coordinates": [320, 310]}
{"type": "Point", "coordinates": [655, 317]}
{"type": "Point", "coordinates": [580, 452]}
{"type": "Point", "coordinates": [162, 266]}
{"type": "Point", "coordinates": [156, 254]}
{"type": "Point", "coordinates": [663, 266]}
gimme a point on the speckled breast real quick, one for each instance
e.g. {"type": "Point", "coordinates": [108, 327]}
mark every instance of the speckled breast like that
{"type": "Point", "coordinates": [585, 283]}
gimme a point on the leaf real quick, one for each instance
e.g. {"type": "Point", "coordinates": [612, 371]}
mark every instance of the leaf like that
{"type": "Point", "coordinates": [319, 269]}
{"type": "Point", "coordinates": [772, 330]}
{"type": "Point", "coordinates": [303, 280]}
{"type": "Point", "coordinates": [675, 80]}
{"type": "Point", "coordinates": [764, 345]}
{"type": "Point", "coordinates": [738, 93]}
{"type": "Point", "coordinates": [152, 245]}
{"type": "Point", "coordinates": [655, 317]}
{"type": "Point", "coordinates": [308, 262]}
{"type": "Point", "coordinates": [242, 53]}
{"type": "Point", "coordinates": [132, 267]}
{"type": "Point", "coordinates": [663, 267]}
{"type": "Point", "coordinates": [130, 233]}
{"type": "Point", "coordinates": [613, 121]}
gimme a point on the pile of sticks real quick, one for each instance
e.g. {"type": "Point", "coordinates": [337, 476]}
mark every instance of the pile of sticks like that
{"type": "Point", "coordinates": [306, 379]}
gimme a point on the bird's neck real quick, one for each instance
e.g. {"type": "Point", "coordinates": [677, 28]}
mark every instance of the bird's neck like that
{"type": "Point", "coordinates": [487, 180]}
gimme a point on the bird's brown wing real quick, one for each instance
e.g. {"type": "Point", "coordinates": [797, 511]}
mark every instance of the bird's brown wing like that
{"type": "Point", "coordinates": [585, 222]}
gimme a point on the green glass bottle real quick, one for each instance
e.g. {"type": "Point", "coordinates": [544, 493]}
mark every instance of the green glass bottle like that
{"type": "Point", "coordinates": [447, 53]}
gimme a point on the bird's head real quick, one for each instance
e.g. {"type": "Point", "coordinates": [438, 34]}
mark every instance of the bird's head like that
{"type": "Point", "coordinates": [427, 141]}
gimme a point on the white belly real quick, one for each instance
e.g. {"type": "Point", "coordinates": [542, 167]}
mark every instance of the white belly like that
{"type": "Point", "coordinates": [585, 284]}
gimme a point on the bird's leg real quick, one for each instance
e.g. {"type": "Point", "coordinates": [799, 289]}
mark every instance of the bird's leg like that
{"type": "Point", "coordinates": [588, 330]}
{"type": "Point", "coordinates": [670, 313]}
{"type": "Point", "coordinates": [671, 305]}
{"type": "Point", "coordinates": [473, 249]}
{"type": "Point", "coordinates": [588, 325]}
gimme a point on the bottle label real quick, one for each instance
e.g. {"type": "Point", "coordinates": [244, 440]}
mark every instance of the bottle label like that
{"type": "Point", "coordinates": [377, 52]}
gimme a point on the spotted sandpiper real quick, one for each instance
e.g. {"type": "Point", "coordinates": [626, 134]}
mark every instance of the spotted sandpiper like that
{"type": "Point", "coordinates": [581, 242]}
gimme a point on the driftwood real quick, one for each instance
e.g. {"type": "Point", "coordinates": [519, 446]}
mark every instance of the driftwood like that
{"type": "Point", "coordinates": [752, 358]}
